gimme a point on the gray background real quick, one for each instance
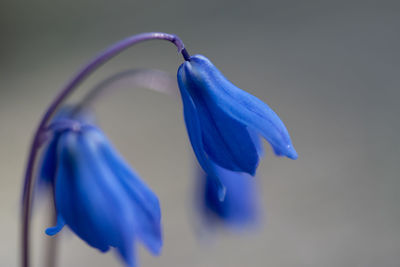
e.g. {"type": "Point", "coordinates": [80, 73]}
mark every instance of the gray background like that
{"type": "Point", "coordinates": [329, 68]}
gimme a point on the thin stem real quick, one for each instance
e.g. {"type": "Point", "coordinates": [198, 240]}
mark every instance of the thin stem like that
{"type": "Point", "coordinates": [156, 80]}
{"type": "Point", "coordinates": [64, 93]}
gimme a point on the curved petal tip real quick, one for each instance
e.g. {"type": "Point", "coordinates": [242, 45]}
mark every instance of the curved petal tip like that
{"type": "Point", "coordinates": [292, 154]}
{"type": "Point", "coordinates": [57, 228]}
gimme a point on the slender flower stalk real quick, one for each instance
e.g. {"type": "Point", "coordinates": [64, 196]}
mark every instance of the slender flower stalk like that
{"type": "Point", "coordinates": [39, 136]}
{"type": "Point", "coordinates": [153, 79]}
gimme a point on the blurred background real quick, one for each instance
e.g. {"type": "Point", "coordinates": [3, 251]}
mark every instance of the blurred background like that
{"type": "Point", "coordinates": [330, 69]}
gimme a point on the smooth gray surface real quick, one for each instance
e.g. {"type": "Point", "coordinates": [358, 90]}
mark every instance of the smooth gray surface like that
{"type": "Point", "coordinates": [329, 68]}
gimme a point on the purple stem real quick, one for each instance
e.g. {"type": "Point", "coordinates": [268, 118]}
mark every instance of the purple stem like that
{"type": "Point", "coordinates": [69, 87]}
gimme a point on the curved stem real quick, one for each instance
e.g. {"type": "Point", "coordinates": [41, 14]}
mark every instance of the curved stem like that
{"type": "Point", "coordinates": [153, 79]}
{"type": "Point", "coordinates": [66, 91]}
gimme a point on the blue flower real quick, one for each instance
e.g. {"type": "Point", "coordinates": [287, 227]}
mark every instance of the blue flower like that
{"type": "Point", "coordinates": [48, 166]}
{"type": "Point", "coordinates": [240, 206]}
{"type": "Point", "coordinates": [224, 122]}
{"type": "Point", "coordinates": [98, 195]}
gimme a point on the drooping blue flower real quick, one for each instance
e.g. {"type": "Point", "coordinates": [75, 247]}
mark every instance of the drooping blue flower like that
{"type": "Point", "coordinates": [48, 161]}
{"type": "Point", "coordinates": [241, 204]}
{"type": "Point", "coordinates": [98, 196]}
{"type": "Point", "coordinates": [228, 119]}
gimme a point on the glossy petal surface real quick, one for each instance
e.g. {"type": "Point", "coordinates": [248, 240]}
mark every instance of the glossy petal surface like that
{"type": "Point", "coordinates": [226, 141]}
{"type": "Point", "coordinates": [223, 97]}
{"type": "Point", "coordinates": [195, 136]}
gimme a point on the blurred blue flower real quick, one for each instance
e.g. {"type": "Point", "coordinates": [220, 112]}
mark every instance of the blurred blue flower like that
{"type": "Point", "coordinates": [223, 121]}
{"type": "Point", "coordinates": [97, 194]}
{"type": "Point", "coordinates": [241, 204]}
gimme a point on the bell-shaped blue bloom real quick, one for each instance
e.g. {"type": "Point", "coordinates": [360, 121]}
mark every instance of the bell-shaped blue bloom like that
{"type": "Point", "coordinates": [228, 119]}
{"type": "Point", "coordinates": [98, 195]}
{"type": "Point", "coordinates": [65, 116]}
{"type": "Point", "coordinates": [240, 206]}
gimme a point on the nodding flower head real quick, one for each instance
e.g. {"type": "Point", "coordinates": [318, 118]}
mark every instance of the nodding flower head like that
{"type": "Point", "coordinates": [229, 119]}
{"type": "Point", "coordinates": [97, 195]}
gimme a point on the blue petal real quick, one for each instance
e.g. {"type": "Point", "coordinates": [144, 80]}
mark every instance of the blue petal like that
{"type": "Point", "coordinates": [89, 196]}
{"type": "Point", "coordinates": [101, 199]}
{"type": "Point", "coordinates": [128, 253]}
{"type": "Point", "coordinates": [195, 135]}
{"type": "Point", "coordinates": [226, 141]}
{"type": "Point", "coordinates": [48, 164]}
{"type": "Point", "coordinates": [241, 204]}
{"type": "Point", "coordinates": [141, 210]}
{"type": "Point", "coordinates": [145, 204]}
{"type": "Point", "coordinates": [219, 93]}
{"type": "Point", "coordinates": [257, 142]}
{"type": "Point", "coordinates": [79, 196]}
{"type": "Point", "coordinates": [48, 167]}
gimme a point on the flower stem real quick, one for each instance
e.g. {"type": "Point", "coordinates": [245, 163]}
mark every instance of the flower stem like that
{"type": "Point", "coordinates": [64, 93]}
{"type": "Point", "coordinates": [152, 79]}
